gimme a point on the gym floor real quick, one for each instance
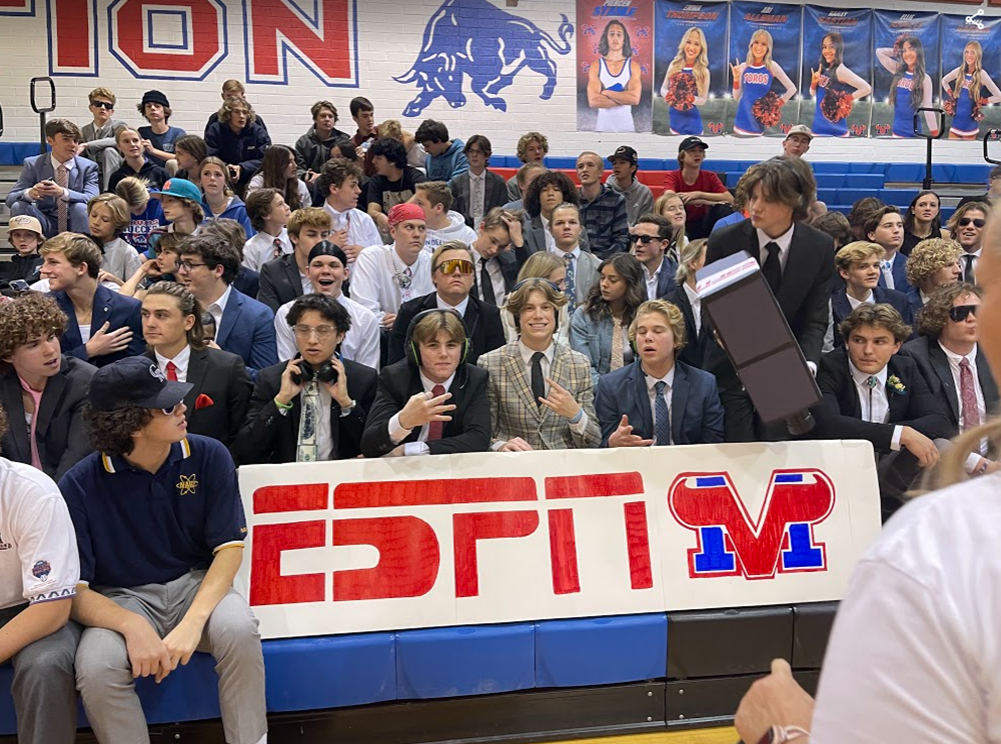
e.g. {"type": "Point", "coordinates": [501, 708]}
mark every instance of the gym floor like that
{"type": "Point", "coordinates": [697, 736]}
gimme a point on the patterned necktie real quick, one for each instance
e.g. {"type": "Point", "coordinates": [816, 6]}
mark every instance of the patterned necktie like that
{"type": "Point", "coordinates": [968, 394]}
{"type": "Point", "coordinates": [538, 381]}
{"type": "Point", "coordinates": [871, 382]}
{"type": "Point", "coordinates": [616, 344]}
{"type": "Point", "coordinates": [772, 268]}
{"type": "Point", "coordinates": [171, 371]}
{"type": "Point", "coordinates": [477, 200]}
{"type": "Point", "coordinates": [277, 253]}
{"type": "Point", "coordinates": [887, 268]}
{"type": "Point", "coordinates": [407, 292]}
{"type": "Point", "coordinates": [571, 281]}
{"type": "Point", "coordinates": [486, 284]}
{"type": "Point", "coordinates": [435, 427]}
{"type": "Point", "coordinates": [310, 399]}
{"type": "Point", "coordinates": [662, 416]}
{"type": "Point", "coordinates": [969, 273]}
{"type": "Point", "coordinates": [62, 213]}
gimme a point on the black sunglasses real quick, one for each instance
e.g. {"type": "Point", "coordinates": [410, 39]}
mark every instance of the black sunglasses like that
{"type": "Point", "coordinates": [644, 239]}
{"type": "Point", "coordinates": [977, 222]}
{"type": "Point", "coordinates": [960, 313]}
{"type": "Point", "coordinates": [104, 105]}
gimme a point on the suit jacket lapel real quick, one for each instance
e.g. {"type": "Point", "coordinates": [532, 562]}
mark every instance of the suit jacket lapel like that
{"type": "Point", "coordinates": [292, 273]}
{"type": "Point", "coordinates": [71, 336]}
{"type": "Point", "coordinates": [101, 309]}
{"type": "Point", "coordinates": [899, 402]}
{"type": "Point", "coordinates": [639, 388]}
{"type": "Point", "coordinates": [679, 401]}
{"type": "Point", "coordinates": [792, 284]}
{"type": "Point", "coordinates": [472, 316]}
{"type": "Point", "coordinates": [558, 374]}
{"type": "Point", "coordinates": [230, 315]}
{"type": "Point", "coordinates": [198, 366]}
{"type": "Point", "coordinates": [841, 306]}
{"type": "Point", "coordinates": [850, 405]}
{"type": "Point", "coordinates": [55, 389]}
{"type": "Point", "coordinates": [519, 375]}
{"type": "Point", "coordinates": [940, 363]}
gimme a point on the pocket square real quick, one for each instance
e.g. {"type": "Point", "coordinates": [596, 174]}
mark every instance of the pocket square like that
{"type": "Point", "coordinates": [203, 401]}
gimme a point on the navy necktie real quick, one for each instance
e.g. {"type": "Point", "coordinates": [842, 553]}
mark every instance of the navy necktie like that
{"type": "Point", "coordinates": [662, 425]}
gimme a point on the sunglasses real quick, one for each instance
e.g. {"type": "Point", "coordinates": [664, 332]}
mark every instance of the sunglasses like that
{"type": "Point", "coordinates": [644, 239]}
{"type": "Point", "coordinates": [170, 411]}
{"type": "Point", "coordinates": [975, 221]}
{"type": "Point", "coordinates": [453, 265]}
{"type": "Point", "coordinates": [960, 313]}
{"type": "Point", "coordinates": [103, 105]}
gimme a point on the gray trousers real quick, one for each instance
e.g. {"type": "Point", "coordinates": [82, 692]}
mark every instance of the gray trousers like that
{"type": "Point", "coordinates": [104, 672]}
{"type": "Point", "coordinates": [44, 690]}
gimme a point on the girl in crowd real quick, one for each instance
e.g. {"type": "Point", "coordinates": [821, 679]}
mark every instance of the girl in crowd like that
{"type": "Point", "coordinates": [963, 93]}
{"type": "Point", "coordinates": [613, 84]}
{"type": "Point", "coordinates": [688, 73]}
{"type": "Point", "coordinates": [911, 87]}
{"type": "Point", "coordinates": [189, 151]}
{"type": "Point", "coordinates": [600, 327]}
{"type": "Point", "coordinates": [278, 171]}
{"type": "Point", "coordinates": [109, 215]}
{"type": "Point", "coordinates": [145, 214]}
{"type": "Point", "coordinates": [415, 151]}
{"type": "Point", "coordinates": [932, 264]}
{"type": "Point", "coordinates": [691, 258]}
{"type": "Point", "coordinates": [219, 200]}
{"type": "Point", "coordinates": [829, 85]}
{"type": "Point", "coordinates": [752, 84]}
{"type": "Point", "coordinates": [922, 221]}
{"type": "Point", "coordinates": [670, 206]}
{"type": "Point", "coordinates": [545, 265]}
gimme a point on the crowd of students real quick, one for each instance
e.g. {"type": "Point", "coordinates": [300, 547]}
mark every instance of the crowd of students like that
{"type": "Point", "coordinates": [230, 301]}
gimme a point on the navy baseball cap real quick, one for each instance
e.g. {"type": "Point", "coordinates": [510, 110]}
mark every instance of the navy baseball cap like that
{"type": "Point", "coordinates": [690, 142]}
{"type": "Point", "coordinates": [134, 382]}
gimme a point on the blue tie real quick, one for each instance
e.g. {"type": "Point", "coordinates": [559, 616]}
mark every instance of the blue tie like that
{"type": "Point", "coordinates": [662, 423]}
{"type": "Point", "coordinates": [571, 288]}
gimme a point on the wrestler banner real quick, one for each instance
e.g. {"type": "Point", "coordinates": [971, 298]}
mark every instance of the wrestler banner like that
{"type": "Point", "coordinates": [906, 73]}
{"type": "Point", "coordinates": [836, 76]}
{"type": "Point", "coordinates": [614, 65]}
{"type": "Point", "coordinates": [971, 51]}
{"type": "Point", "coordinates": [367, 545]}
{"type": "Point", "coordinates": [764, 64]}
{"type": "Point", "coordinates": [691, 68]}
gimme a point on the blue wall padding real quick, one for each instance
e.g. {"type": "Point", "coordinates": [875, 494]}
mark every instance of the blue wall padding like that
{"type": "Point", "coordinates": [600, 651]}
{"type": "Point", "coordinates": [477, 660]}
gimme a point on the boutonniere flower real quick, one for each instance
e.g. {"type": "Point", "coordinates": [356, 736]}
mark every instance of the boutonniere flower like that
{"type": "Point", "coordinates": [895, 385]}
{"type": "Point", "coordinates": [203, 401]}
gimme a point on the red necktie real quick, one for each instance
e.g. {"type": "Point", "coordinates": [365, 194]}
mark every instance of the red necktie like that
{"type": "Point", "coordinates": [171, 371]}
{"type": "Point", "coordinates": [968, 396]}
{"type": "Point", "coordinates": [435, 427]}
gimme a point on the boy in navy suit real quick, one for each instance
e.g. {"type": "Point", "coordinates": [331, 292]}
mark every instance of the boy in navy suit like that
{"type": "Point", "coordinates": [657, 399]}
{"type": "Point", "coordinates": [859, 265]}
{"type": "Point", "coordinates": [885, 226]}
{"type": "Point", "coordinates": [54, 188]}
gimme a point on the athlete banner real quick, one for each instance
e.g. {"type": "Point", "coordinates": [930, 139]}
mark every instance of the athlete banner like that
{"type": "Point", "coordinates": [366, 545]}
{"type": "Point", "coordinates": [614, 65]}
{"type": "Point", "coordinates": [690, 68]}
{"type": "Point", "coordinates": [971, 60]}
{"type": "Point", "coordinates": [764, 62]}
{"type": "Point", "coordinates": [906, 73]}
{"type": "Point", "coordinates": [836, 76]}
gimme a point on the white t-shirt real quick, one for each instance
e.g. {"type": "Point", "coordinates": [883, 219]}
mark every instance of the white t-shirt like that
{"type": "Point", "coordinates": [38, 554]}
{"type": "Point", "coordinates": [382, 282]}
{"type": "Point", "coordinates": [915, 654]}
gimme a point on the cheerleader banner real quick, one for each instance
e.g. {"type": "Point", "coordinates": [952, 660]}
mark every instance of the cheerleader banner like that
{"type": "Point", "coordinates": [691, 68]}
{"type": "Point", "coordinates": [614, 65]}
{"type": "Point", "coordinates": [764, 58]}
{"type": "Point", "coordinates": [971, 56]}
{"type": "Point", "coordinates": [906, 74]}
{"type": "Point", "coordinates": [836, 75]}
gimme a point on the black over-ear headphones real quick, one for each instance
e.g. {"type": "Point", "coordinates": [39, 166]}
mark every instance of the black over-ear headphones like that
{"type": "Point", "coordinates": [522, 283]}
{"type": "Point", "coordinates": [326, 373]}
{"type": "Point", "coordinates": [410, 347]}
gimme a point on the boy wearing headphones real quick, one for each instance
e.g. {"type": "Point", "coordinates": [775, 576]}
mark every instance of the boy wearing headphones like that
{"type": "Point", "coordinates": [312, 407]}
{"type": "Point", "coordinates": [433, 402]}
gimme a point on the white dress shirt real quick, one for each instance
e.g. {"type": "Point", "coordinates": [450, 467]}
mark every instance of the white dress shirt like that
{"type": "Point", "coordinates": [261, 248]}
{"type": "Point", "coordinates": [360, 344]}
{"type": "Point", "coordinates": [858, 303]}
{"type": "Point", "coordinates": [217, 308]}
{"type": "Point", "coordinates": [874, 402]}
{"type": "Point", "coordinates": [550, 240]}
{"type": "Point", "coordinates": [180, 363]}
{"type": "Point", "coordinates": [784, 241]}
{"type": "Point", "coordinates": [397, 433]}
{"type": "Point", "coordinates": [460, 308]}
{"type": "Point", "coordinates": [954, 361]}
{"type": "Point", "coordinates": [495, 274]}
{"type": "Point", "coordinates": [651, 388]}
{"type": "Point", "coordinates": [360, 226]}
{"type": "Point", "coordinates": [696, 302]}
{"type": "Point", "coordinates": [652, 280]}
{"type": "Point", "coordinates": [374, 281]}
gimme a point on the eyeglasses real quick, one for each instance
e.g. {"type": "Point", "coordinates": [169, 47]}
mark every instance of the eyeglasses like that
{"type": "Point", "coordinates": [644, 239]}
{"type": "Point", "coordinates": [103, 105]}
{"type": "Point", "coordinates": [452, 265]}
{"type": "Point", "coordinates": [975, 221]}
{"type": "Point", "coordinates": [188, 265]}
{"type": "Point", "coordinates": [960, 313]}
{"type": "Point", "coordinates": [322, 332]}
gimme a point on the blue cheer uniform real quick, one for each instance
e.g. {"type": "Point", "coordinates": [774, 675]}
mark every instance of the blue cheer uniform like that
{"type": "Point", "coordinates": [755, 82]}
{"type": "Point", "coordinates": [903, 109]}
{"type": "Point", "coordinates": [962, 122]}
{"type": "Point", "coordinates": [686, 122]}
{"type": "Point", "coordinates": [822, 126]}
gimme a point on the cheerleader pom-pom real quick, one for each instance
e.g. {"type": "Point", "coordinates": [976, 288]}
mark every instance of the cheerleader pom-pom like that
{"type": "Point", "coordinates": [681, 91]}
{"type": "Point", "coordinates": [949, 105]}
{"type": "Point", "coordinates": [837, 105]}
{"type": "Point", "coordinates": [768, 109]}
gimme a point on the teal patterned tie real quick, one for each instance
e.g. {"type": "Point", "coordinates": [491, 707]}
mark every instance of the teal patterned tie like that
{"type": "Point", "coordinates": [310, 399]}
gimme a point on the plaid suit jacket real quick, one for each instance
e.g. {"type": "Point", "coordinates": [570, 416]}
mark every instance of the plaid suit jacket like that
{"type": "Point", "coordinates": [514, 412]}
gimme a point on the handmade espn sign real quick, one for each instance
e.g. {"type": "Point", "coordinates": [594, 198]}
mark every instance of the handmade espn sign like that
{"type": "Point", "coordinates": [367, 545]}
